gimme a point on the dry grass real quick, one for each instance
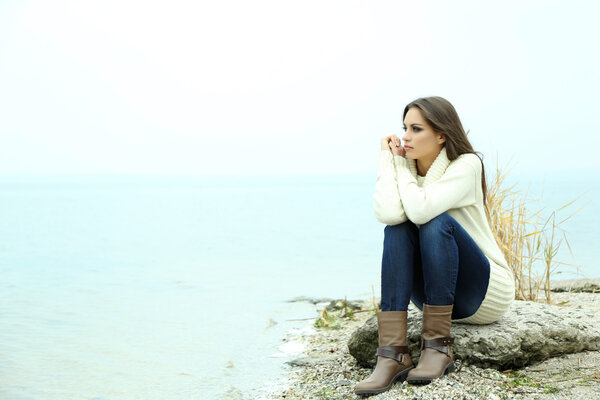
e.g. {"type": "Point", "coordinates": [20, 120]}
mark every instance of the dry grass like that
{"type": "Point", "coordinates": [529, 241]}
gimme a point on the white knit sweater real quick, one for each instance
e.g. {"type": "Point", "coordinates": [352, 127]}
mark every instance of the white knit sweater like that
{"type": "Point", "coordinates": [453, 187]}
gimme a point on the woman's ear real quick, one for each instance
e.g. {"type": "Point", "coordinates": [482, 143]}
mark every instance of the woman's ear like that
{"type": "Point", "coordinates": [441, 139]}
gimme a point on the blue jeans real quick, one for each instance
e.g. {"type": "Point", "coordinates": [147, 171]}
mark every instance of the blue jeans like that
{"type": "Point", "coordinates": [437, 264]}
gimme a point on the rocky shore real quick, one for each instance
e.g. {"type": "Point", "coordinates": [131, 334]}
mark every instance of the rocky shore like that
{"type": "Point", "coordinates": [557, 365]}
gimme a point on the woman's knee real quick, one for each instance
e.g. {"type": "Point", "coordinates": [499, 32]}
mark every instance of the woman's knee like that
{"type": "Point", "coordinates": [402, 231]}
{"type": "Point", "coordinates": [436, 225]}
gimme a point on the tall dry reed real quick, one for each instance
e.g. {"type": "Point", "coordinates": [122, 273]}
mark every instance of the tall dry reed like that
{"type": "Point", "coordinates": [529, 241]}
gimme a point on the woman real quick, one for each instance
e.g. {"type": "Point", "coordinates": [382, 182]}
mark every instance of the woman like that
{"type": "Point", "coordinates": [438, 248]}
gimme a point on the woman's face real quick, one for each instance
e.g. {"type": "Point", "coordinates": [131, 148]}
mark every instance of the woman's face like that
{"type": "Point", "coordinates": [420, 141]}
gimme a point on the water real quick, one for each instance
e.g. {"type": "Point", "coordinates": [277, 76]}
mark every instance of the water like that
{"type": "Point", "coordinates": [176, 287]}
{"type": "Point", "coordinates": [550, 192]}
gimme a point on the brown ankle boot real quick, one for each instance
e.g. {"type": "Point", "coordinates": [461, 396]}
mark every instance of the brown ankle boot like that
{"type": "Point", "coordinates": [393, 359]}
{"type": "Point", "coordinates": [436, 357]}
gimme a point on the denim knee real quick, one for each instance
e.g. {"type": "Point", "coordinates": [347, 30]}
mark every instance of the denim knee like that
{"type": "Point", "coordinates": [400, 231]}
{"type": "Point", "coordinates": [433, 228]}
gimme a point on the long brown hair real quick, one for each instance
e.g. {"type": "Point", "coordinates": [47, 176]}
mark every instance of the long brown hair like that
{"type": "Point", "coordinates": [443, 118]}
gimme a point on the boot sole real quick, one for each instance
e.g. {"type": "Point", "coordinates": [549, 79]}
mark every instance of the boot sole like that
{"type": "Point", "coordinates": [424, 380]}
{"type": "Point", "coordinates": [400, 377]}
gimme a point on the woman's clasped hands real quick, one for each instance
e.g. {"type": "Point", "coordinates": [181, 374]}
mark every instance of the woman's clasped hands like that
{"type": "Point", "coordinates": [392, 143]}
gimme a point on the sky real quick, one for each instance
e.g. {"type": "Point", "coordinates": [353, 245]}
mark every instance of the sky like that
{"type": "Point", "coordinates": [282, 87]}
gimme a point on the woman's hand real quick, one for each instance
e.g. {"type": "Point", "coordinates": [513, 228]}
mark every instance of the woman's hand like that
{"type": "Point", "coordinates": [392, 143]}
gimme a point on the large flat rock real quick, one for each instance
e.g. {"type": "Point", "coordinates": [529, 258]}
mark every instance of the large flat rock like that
{"type": "Point", "coordinates": [527, 333]}
{"type": "Point", "coordinates": [576, 285]}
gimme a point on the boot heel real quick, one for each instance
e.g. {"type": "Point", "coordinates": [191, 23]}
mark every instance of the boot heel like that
{"type": "Point", "coordinates": [404, 374]}
{"type": "Point", "coordinates": [449, 368]}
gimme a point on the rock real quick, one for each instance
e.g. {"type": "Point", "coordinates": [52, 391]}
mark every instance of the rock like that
{"type": "Point", "coordinates": [312, 300]}
{"type": "Point", "coordinates": [309, 361]}
{"type": "Point", "coordinates": [271, 323]}
{"type": "Point", "coordinates": [527, 333]}
{"type": "Point", "coordinates": [363, 343]}
{"type": "Point", "coordinates": [336, 305]}
{"type": "Point", "coordinates": [576, 285]}
{"type": "Point", "coordinates": [300, 362]}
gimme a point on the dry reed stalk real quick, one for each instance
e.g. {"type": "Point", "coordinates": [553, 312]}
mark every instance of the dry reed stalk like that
{"type": "Point", "coordinates": [523, 237]}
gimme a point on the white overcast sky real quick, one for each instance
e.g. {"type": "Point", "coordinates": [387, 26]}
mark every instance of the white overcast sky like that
{"type": "Point", "coordinates": [227, 87]}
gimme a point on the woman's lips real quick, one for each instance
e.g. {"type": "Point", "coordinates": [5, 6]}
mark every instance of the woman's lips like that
{"type": "Point", "coordinates": [407, 148]}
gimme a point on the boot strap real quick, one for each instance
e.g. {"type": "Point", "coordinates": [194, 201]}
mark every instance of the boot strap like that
{"type": "Point", "coordinates": [439, 344]}
{"type": "Point", "coordinates": [393, 352]}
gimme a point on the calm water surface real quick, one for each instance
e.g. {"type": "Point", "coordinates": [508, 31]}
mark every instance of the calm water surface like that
{"type": "Point", "coordinates": [176, 287]}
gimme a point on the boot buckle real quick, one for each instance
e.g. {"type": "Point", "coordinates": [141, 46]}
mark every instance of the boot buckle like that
{"type": "Point", "coordinates": [439, 344]}
{"type": "Point", "coordinates": [393, 352]}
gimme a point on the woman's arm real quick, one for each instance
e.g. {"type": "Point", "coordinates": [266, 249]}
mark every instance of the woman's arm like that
{"type": "Point", "coordinates": [456, 188]}
{"type": "Point", "coordinates": [386, 200]}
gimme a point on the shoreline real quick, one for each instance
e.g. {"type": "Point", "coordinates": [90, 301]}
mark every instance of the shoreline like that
{"type": "Point", "coordinates": [325, 369]}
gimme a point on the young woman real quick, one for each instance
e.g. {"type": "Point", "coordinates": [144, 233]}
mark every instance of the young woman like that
{"type": "Point", "coordinates": [438, 250]}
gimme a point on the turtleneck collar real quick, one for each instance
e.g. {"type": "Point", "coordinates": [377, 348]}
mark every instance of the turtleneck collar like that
{"type": "Point", "coordinates": [435, 171]}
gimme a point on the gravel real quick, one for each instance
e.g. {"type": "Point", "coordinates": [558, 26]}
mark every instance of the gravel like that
{"type": "Point", "coordinates": [325, 369]}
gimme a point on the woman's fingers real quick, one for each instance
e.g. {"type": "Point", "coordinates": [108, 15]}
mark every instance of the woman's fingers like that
{"type": "Point", "coordinates": [385, 142]}
{"type": "Point", "coordinates": [393, 144]}
{"type": "Point", "coordinates": [391, 138]}
{"type": "Point", "coordinates": [390, 141]}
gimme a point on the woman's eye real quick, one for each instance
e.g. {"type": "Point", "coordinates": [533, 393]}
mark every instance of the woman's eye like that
{"type": "Point", "coordinates": [404, 128]}
{"type": "Point", "coordinates": [416, 129]}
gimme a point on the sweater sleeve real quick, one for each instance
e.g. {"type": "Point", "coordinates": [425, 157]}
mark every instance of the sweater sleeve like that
{"type": "Point", "coordinates": [386, 200]}
{"type": "Point", "coordinates": [454, 189]}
